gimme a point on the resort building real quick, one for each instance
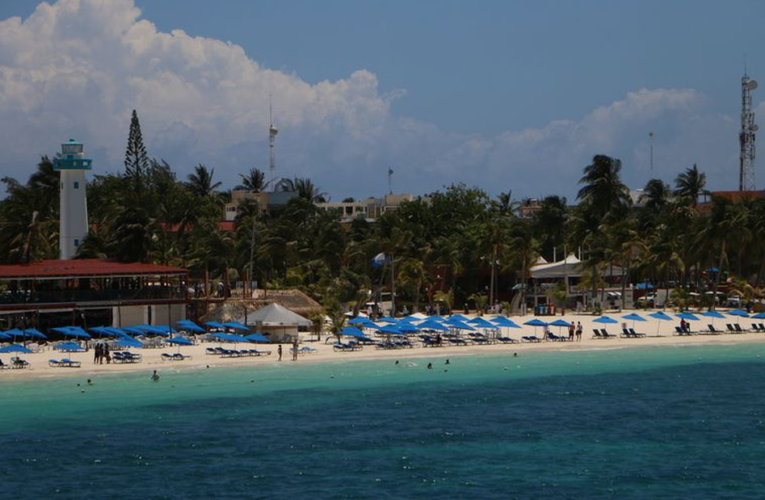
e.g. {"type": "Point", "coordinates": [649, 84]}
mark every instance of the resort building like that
{"type": "Point", "coordinates": [90, 292]}
{"type": "Point", "coordinates": [266, 200]}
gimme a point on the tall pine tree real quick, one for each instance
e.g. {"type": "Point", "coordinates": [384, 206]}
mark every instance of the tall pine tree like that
{"type": "Point", "coordinates": [136, 159]}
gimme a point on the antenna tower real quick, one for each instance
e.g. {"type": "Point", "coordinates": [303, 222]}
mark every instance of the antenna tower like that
{"type": "Point", "coordinates": [272, 131]}
{"type": "Point", "coordinates": [747, 135]}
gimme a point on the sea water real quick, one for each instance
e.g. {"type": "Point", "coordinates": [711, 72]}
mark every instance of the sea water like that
{"type": "Point", "coordinates": [685, 422]}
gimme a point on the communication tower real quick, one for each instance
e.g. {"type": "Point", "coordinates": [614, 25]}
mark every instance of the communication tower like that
{"type": "Point", "coordinates": [747, 135]}
{"type": "Point", "coordinates": [272, 131]}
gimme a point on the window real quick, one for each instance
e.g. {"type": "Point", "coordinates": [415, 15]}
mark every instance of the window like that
{"type": "Point", "coordinates": [76, 185]}
{"type": "Point", "coordinates": [76, 243]}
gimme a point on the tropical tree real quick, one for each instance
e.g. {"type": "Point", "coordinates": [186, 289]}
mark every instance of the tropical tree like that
{"type": "Point", "coordinates": [201, 183]}
{"type": "Point", "coordinates": [136, 158]}
{"type": "Point", "coordinates": [253, 181]}
{"type": "Point", "coordinates": [690, 185]}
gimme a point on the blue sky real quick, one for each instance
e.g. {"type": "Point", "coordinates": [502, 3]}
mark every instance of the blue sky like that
{"type": "Point", "coordinates": [498, 94]}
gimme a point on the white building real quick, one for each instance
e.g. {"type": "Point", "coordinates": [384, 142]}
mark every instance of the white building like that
{"type": "Point", "coordinates": [73, 213]}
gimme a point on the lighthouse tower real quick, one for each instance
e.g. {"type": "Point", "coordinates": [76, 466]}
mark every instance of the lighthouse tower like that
{"type": "Point", "coordinates": [73, 214]}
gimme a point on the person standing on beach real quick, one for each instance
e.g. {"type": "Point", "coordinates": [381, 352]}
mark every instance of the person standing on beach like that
{"type": "Point", "coordinates": [107, 355]}
{"type": "Point", "coordinates": [578, 331]}
{"type": "Point", "coordinates": [279, 352]}
{"type": "Point", "coordinates": [295, 350]}
{"type": "Point", "coordinates": [96, 353]}
{"type": "Point", "coordinates": [571, 329]}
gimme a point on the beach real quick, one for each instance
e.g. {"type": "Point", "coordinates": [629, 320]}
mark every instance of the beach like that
{"type": "Point", "coordinates": [658, 334]}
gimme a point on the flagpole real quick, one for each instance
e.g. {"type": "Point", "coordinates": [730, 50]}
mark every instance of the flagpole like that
{"type": "Point", "coordinates": [390, 185]}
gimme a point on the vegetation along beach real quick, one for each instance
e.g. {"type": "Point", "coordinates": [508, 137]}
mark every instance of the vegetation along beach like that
{"type": "Point", "coordinates": [381, 250]}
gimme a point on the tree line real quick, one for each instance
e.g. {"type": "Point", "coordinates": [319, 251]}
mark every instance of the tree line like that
{"type": "Point", "coordinates": [455, 245]}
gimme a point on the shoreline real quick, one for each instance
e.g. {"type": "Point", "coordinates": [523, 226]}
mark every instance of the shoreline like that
{"type": "Point", "coordinates": [152, 360]}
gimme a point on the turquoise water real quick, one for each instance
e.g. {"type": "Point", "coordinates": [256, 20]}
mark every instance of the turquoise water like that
{"type": "Point", "coordinates": [630, 424]}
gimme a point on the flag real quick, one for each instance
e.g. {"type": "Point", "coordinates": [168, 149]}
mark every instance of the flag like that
{"type": "Point", "coordinates": [378, 260]}
{"type": "Point", "coordinates": [390, 171]}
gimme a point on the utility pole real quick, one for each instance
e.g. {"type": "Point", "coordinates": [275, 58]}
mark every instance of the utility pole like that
{"type": "Point", "coordinates": [650, 138]}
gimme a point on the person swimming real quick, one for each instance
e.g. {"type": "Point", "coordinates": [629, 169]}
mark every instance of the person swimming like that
{"type": "Point", "coordinates": [155, 376]}
{"type": "Point", "coordinates": [447, 362]}
{"type": "Point", "coordinates": [430, 366]}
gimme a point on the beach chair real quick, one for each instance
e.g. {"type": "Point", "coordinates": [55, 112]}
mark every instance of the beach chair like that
{"type": "Point", "coordinates": [755, 328]}
{"type": "Point", "coordinates": [713, 330]}
{"type": "Point", "coordinates": [18, 363]}
{"type": "Point", "coordinates": [597, 334]}
{"type": "Point", "coordinates": [70, 363]}
{"type": "Point", "coordinates": [680, 331]}
{"type": "Point", "coordinates": [54, 363]}
{"type": "Point", "coordinates": [531, 338]}
{"type": "Point", "coordinates": [636, 334]}
{"type": "Point", "coordinates": [3, 366]}
{"type": "Point", "coordinates": [626, 333]}
{"type": "Point", "coordinates": [606, 335]}
{"type": "Point", "coordinates": [507, 340]}
{"type": "Point", "coordinates": [738, 328]}
{"type": "Point", "coordinates": [762, 327]}
{"type": "Point", "coordinates": [730, 328]}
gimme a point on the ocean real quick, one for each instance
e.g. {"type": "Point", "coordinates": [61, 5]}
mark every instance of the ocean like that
{"type": "Point", "coordinates": [684, 422]}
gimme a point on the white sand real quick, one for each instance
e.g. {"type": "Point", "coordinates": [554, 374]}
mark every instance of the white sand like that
{"type": "Point", "coordinates": [152, 357]}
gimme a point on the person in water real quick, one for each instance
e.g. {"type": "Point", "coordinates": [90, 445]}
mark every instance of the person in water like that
{"type": "Point", "coordinates": [155, 376]}
{"type": "Point", "coordinates": [430, 366]}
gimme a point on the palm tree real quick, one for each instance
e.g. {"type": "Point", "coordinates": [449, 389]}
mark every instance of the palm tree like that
{"type": "Point", "coordinates": [304, 188]}
{"type": "Point", "coordinates": [200, 182]}
{"type": "Point", "coordinates": [690, 185]}
{"type": "Point", "coordinates": [603, 190]}
{"type": "Point", "coordinates": [254, 181]}
{"type": "Point", "coordinates": [412, 272]}
{"type": "Point", "coordinates": [655, 196]}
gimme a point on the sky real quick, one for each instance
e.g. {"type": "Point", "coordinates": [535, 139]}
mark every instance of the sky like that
{"type": "Point", "coordinates": [500, 95]}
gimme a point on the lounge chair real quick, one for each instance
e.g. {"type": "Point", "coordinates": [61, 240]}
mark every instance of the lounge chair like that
{"type": "Point", "coordinates": [507, 340]}
{"type": "Point", "coordinates": [556, 338]}
{"type": "Point", "coordinates": [19, 363]}
{"type": "Point", "coordinates": [738, 328]}
{"type": "Point", "coordinates": [606, 335]}
{"type": "Point", "coordinates": [712, 329]}
{"type": "Point", "coordinates": [636, 334]}
{"type": "Point", "coordinates": [597, 333]}
{"type": "Point", "coordinates": [680, 331]}
{"type": "Point", "coordinates": [70, 363]}
{"type": "Point", "coordinates": [531, 338]}
{"type": "Point", "coordinates": [762, 327]}
{"type": "Point", "coordinates": [3, 366]}
{"type": "Point", "coordinates": [755, 328]}
{"type": "Point", "coordinates": [730, 328]}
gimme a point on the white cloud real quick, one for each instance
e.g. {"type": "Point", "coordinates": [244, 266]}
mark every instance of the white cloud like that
{"type": "Point", "coordinates": [77, 68]}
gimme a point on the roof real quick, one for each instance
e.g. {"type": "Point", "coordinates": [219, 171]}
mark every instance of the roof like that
{"type": "Point", "coordinates": [276, 315]}
{"type": "Point", "coordinates": [56, 269]}
{"type": "Point", "coordinates": [224, 225]}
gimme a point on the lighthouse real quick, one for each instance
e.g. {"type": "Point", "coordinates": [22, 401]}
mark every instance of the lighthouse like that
{"type": "Point", "coordinates": [73, 213]}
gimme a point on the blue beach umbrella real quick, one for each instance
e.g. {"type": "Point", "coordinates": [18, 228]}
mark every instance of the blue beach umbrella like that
{"type": "Point", "coordinates": [69, 346]}
{"type": "Point", "coordinates": [407, 328]}
{"type": "Point", "coordinates": [391, 329]}
{"type": "Point", "coordinates": [237, 326]}
{"type": "Point", "coordinates": [15, 348]}
{"type": "Point", "coordinates": [458, 317]}
{"type": "Point", "coordinates": [215, 324]}
{"type": "Point", "coordinates": [759, 315]}
{"type": "Point", "coordinates": [660, 316]}
{"type": "Point", "coordinates": [433, 325]}
{"type": "Point", "coordinates": [35, 334]}
{"type": "Point", "coordinates": [359, 320]}
{"type": "Point", "coordinates": [560, 323]}
{"type": "Point", "coordinates": [180, 341]}
{"type": "Point", "coordinates": [129, 342]}
{"type": "Point", "coordinates": [688, 316]}
{"type": "Point", "coordinates": [4, 336]}
{"type": "Point", "coordinates": [189, 326]}
{"type": "Point", "coordinates": [633, 317]}
{"type": "Point", "coordinates": [388, 319]}
{"type": "Point", "coordinates": [482, 323]}
{"type": "Point", "coordinates": [133, 330]}
{"type": "Point", "coordinates": [434, 318]}
{"type": "Point", "coordinates": [535, 323]}
{"type": "Point", "coordinates": [73, 331]}
{"type": "Point", "coordinates": [504, 322]}
{"type": "Point", "coordinates": [351, 331]}
{"type": "Point", "coordinates": [228, 337]}
{"type": "Point", "coordinates": [256, 337]}
{"type": "Point", "coordinates": [458, 325]}
{"type": "Point", "coordinates": [714, 315]}
{"type": "Point", "coordinates": [605, 320]}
